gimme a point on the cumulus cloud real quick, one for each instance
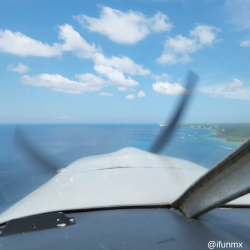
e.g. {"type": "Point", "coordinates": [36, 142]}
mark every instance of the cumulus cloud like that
{"type": "Point", "coordinates": [177, 49]}
{"type": "Point", "coordinates": [123, 63]}
{"type": "Point", "coordinates": [233, 90]}
{"type": "Point", "coordinates": [112, 68]}
{"type": "Point", "coordinates": [160, 22]}
{"type": "Point", "coordinates": [180, 44]}
{"type": "Point", "coordinates": [166, 88]}
{"type": "Point", "coordinates": [20, 68]}
{"type": "Point", "coordinates": [115, 76]}
{"type": "Point", "coordinates": [19, 44]}
{"type": "Point", "coordinates": [205, 34]}
{"type": "Point", "coordinates": [86, 82]}
{"type": "Point", "coordinates": [106, 94]}
{"type": "Point", "coordinates": [141, 94]}
{"type": "Point", "coordinates": [92, 78]}
{"type": "Point", "coordinates": [130, 97]}
{"type": "Point", "coordinates": [125, 27]}
{"type": "Point", "coordinates": [59, 83]}
{"type": "Point", "coordinates": [245, 43]}
{"type": "Point", "coordinates": [75, 43]}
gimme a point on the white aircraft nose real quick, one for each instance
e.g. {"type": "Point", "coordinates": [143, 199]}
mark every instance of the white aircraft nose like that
{"type": "Point", "coordinates": [128, 177]}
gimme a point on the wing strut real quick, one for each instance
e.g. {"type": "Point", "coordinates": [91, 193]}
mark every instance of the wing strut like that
{"type": "Point", "coordinates": [226, 181]}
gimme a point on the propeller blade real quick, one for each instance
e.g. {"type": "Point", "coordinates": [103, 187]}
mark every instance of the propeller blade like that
{"type": "Point", "coordinates": [192, 79]}
{"type": "Point", "coordinates": [29, 149]}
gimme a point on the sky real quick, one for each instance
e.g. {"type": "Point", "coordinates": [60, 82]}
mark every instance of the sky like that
{"type": "Point", "coordinates": [123, 61]}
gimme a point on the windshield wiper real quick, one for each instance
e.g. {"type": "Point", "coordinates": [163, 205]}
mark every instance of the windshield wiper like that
{"type": "Point", "coordinates": [226, 181]}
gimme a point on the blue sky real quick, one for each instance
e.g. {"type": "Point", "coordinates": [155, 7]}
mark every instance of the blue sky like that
{"type": "Point", "coordinates": [123, 61]}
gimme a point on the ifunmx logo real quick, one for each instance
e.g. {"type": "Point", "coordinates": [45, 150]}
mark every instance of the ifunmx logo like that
{"type": "Point", "coordinates": [220, 244]}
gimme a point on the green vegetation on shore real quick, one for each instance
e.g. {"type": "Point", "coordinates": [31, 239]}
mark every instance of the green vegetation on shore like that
{"type": "Point", "coordinates": [233, 132]}
{"type": "Point", "coordinates": [237, 132]}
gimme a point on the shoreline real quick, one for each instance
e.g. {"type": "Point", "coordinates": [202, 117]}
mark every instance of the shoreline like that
{"type": "Point", "coordinates": [218, 136]}
{"type": "Point", "coordinates": [228, 139]}
{"type": "Point", "coordinates": [225, 138]}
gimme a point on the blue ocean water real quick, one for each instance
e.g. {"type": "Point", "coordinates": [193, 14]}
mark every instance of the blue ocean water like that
{"type": "Point", "coordinates": [67, 143]}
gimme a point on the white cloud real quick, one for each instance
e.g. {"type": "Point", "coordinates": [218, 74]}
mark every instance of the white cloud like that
{"type": "Point", "coordinates": [233, 90]}
{"type": "Point", "coordinates": [167, 88]}
{"type": "Point", "coordinates": [159, 78]}
{"type": "Point", "coordinates": [122, 89]}
{"type": "Point", "coordinates": [59, 83]}
{"type": "Point", "coordinates": [124, 64]}
{"type": "Point", "coordinates": [181, 44]}
{"type": "Point", "coordinates": [95, 80]}
{"type": "Point", "coordinates": [205, 34]}
{"type": "Point", "coordinates": [125, 28]}
{"type": "Point", "coordinates": [75, 43]}
{"type": "Point", "coordinates": [159, 22]}
{"type": "Point", "coordinates": [106, 94]}
{"type": "Point", "coordinates": [245, 43]}
{"type": "Point", "coordinates": [116, 76]}
{"type": "Point", "coordinates": [87, 82]}
{"type": "Point", "coordinates": [130, 97]}
{"type": "Point", "coordinates": [177, 49]}
{"type": "Point", "coordinates": [172, 59]}
{"type": "Point", "coordinates": [20, 68]}
{"type": "Point", "coordinates": [235, 84]}
{"type": "Point", "coordinates": [22, 45]}
{"type": "Point", "coordinates": [18, 44]}
{"type": "Point", "coordinates": [141, 94]}
{"type": "Point", "coordinates": [112, 68]}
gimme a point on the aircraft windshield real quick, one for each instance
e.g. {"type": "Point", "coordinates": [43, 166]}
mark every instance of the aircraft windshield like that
{"type": "Point", "coordinates": [91, 79]}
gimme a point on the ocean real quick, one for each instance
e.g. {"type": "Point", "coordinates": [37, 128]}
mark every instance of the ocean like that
{"type": "Point", "coordinates": [67, 143]}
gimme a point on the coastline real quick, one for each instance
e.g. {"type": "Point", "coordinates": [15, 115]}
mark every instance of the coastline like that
{"type": "Point", "coordinates": [229, 138]}
{"type": "Point", "coordinates": [222, 132]}
{"type": "Point", "coordinates": [225, 138]}
{"type": "Point", "coordinates": [209, 137]}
